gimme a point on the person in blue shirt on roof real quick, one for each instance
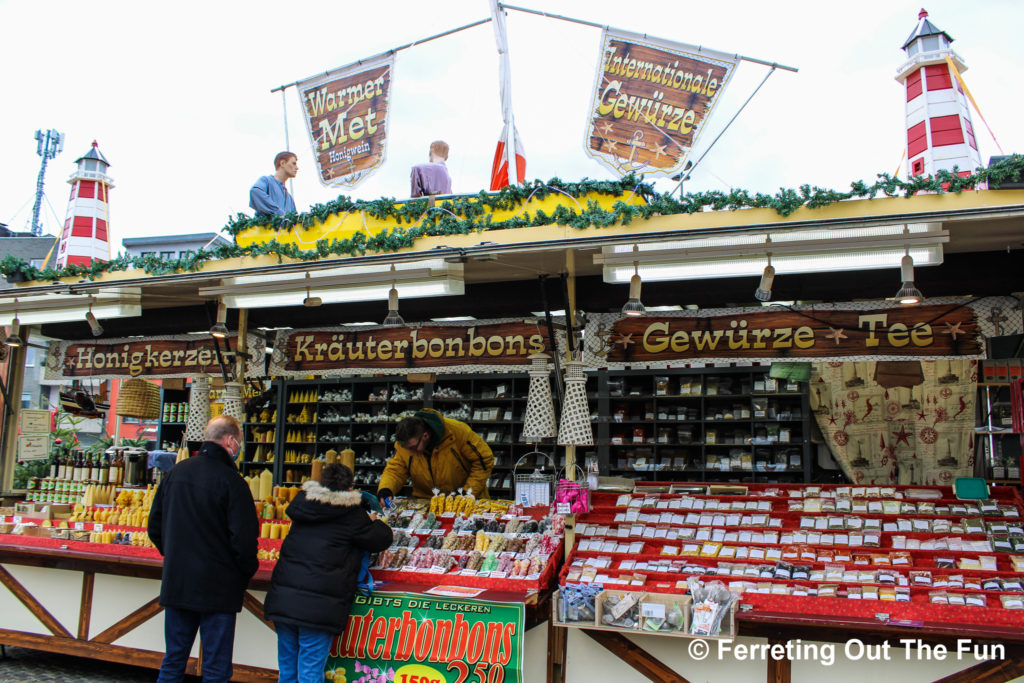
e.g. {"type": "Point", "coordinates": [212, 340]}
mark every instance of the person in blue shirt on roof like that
{"type": "Point", "coordinates": [269, 196]}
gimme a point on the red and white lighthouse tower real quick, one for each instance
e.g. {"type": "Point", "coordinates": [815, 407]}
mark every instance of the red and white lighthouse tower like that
{"type": "Point", "coordinates": [939, 130]}
{"type": "Point", "coordinates": [85, 235]}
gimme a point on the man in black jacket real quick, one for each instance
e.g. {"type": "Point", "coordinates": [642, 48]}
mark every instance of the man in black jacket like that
{"type": "Point", "coordinates": [204, 523]}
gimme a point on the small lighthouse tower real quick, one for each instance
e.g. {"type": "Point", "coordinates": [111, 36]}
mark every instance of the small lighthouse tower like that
{"type": "Point", "coordinates": [939, 130]}
{"type": "Point", "coordinates": [85, 237]}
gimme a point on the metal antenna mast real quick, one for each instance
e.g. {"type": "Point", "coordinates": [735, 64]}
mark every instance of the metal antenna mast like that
{"type": "Point", "coordinates": [49, 144]}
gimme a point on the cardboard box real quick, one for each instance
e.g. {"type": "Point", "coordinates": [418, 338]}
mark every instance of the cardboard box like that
{"type": "Point", "coordinates": [49, 511]}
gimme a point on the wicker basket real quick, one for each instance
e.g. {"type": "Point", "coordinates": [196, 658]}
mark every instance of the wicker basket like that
{"type": "Point", "coordinates": [139, 398]}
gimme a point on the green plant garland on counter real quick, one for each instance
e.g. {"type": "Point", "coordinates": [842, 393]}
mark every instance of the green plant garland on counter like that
{"type": "Point", "coordinates": [465, 215]}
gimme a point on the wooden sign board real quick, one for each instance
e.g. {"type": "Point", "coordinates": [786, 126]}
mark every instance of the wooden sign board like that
{"type": "Point", "coordinates": [160, 357]}
{"type": "Point", "coordinates": [652, 99]}
{"type": "Point", "coordinates": [913, 332]}
{"type": "Point", "coordinates": [346, 114]}
{"type": "Point", "coordinates": [438, 348]}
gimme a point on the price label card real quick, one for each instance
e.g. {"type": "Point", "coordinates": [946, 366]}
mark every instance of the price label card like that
{"type": "Point", "coordinates": [499, 575]}
{"type": "Point", "coordinates": [97, 527]}
{"type": "Point", "coordinates": [437, 569]}
{"type": "Point", "coordinates": [437, 532]}
{"type": "Point", "coordinates": [563, 508]}
{"type": "Point", "coordinates": [447, 515]}
{"type": "Point", "coordinates": [79, 526]}
{"type": "Point", "coordinates": [16, 519]}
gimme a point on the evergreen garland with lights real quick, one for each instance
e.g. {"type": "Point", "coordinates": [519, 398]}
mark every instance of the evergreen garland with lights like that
{"type": "Point", "coordinates": [465, 215]}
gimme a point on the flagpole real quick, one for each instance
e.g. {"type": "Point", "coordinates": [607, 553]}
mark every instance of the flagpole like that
{"type": "Point", "coordinates": [573, 20]}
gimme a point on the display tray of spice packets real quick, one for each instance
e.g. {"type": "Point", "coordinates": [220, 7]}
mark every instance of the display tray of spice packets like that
{"type": "Point", "coordinates": [457, 540]}
{"type": "Point", "coordinates": [829, 550]}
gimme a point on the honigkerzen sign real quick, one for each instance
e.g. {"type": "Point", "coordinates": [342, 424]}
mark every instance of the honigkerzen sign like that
{"type": "Point", "coordinates": [166, 357]}
{"type": "Point", "coordinates": [439, 347]}
{"type": "Point", "coordinates": [346, 114]}
{"type": "Point", "coordinates": [919, 331]}
{"type": "Point", "coordinates": [651, 101]}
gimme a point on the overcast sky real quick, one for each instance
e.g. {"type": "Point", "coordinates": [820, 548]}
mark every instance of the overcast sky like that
{"type": "Point", "coordinates": [178, 96]}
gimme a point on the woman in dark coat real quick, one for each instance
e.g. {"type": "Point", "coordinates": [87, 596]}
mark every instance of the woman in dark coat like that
{"type": "Point", "coordinates": [314, 581]}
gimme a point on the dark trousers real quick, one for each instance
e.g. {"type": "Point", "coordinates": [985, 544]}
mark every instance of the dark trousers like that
{"type": "Point", "coordinates": [217, 634]}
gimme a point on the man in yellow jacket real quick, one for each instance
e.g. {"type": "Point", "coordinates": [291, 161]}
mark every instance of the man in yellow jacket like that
{"type": "Point", "coordinates": [436, 452]}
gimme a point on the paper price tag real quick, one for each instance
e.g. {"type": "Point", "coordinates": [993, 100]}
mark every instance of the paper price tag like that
{"type": "Point", "coordinates": [79, 526]}
{"type": "Point", "coordinates": [436, 569]}
{"type": "Point", "coordinates": [16, 519]}
{"type": "Point", "coordinates": [563, 508]}
{"type": "Point", "coordinates": [437, 532]}
{"type": "Point", "coordinates": [447, 515]}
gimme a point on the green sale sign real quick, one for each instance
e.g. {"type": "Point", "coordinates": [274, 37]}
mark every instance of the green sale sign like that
{"type": "Point", "coordinates": [416, 638]}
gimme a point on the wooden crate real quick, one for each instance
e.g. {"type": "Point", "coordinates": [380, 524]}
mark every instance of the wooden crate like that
{"type": "Point", "coordinates": [666, 601]}
{"type": "Point", "coordinates": [728, 625]}
{"type": "Point", "coordinates": [604, 595]}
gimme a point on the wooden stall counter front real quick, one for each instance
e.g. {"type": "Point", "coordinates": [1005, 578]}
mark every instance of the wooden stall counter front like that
{"type": "Point", "coordinates": [102, 605]}
{"type": "Point", "coordinates": [102, 602]}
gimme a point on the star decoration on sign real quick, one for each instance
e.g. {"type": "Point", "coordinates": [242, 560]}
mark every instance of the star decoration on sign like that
{"type": "Point", "coordinates": [659, 151]}
{"type": "Point", "coordinates": [836, 334]}
{"type": "Point", "coordinates": [624, 339]}
{"type": "Point", "coordinates": [953, 329]}
{"type": "Point", "coordinates": [612, 144]}
{"type": "Point", "coordinates": [831, 420]}
{"type": "Point", "coordinates": [606, 128]}
{"type": "Point", "coordinates": [920, 415]}
{"type": "Point", "coordinates": [902, 435]}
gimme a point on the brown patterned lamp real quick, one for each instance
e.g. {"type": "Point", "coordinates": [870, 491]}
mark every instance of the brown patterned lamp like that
{"type": "Point", "coordinates": [539, 422]}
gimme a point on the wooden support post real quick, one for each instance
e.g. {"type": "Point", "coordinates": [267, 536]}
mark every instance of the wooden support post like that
{"type": "Point", "coordinates": [557, 642]}
{"type": "Point", "coordinates": [33, 605]}
{"type": "Point", "coordinates": [779, 670]}
{"type": "Point", "coordinates": [85, 609]}
{"type": "Point", "coordinates": [9, 436]}
{"type": "Point", "coordinates": [641, 660]}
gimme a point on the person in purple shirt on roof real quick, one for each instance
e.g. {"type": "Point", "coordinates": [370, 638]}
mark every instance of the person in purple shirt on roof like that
{"type": "Point", "coordinates": [269, 196]}
{"type": "Point", "coordinates": [432, 178]}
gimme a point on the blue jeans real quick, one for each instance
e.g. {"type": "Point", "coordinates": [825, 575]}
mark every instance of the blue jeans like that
{"type": "Point", "coordinates": [217, 633]}
{"type": "Point", "coordinates": [301, 653]}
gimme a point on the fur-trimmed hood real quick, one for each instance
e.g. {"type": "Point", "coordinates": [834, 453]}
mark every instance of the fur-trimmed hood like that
{"type": "Point", "coordinates": [318, 492]}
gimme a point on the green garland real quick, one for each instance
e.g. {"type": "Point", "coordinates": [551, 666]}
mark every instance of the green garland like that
{"type": "Point", "coordinates": [465, 215]}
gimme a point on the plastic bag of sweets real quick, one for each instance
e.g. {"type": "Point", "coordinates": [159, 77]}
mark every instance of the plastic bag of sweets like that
{"type": "Point", "coordinates": [711, 602]}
